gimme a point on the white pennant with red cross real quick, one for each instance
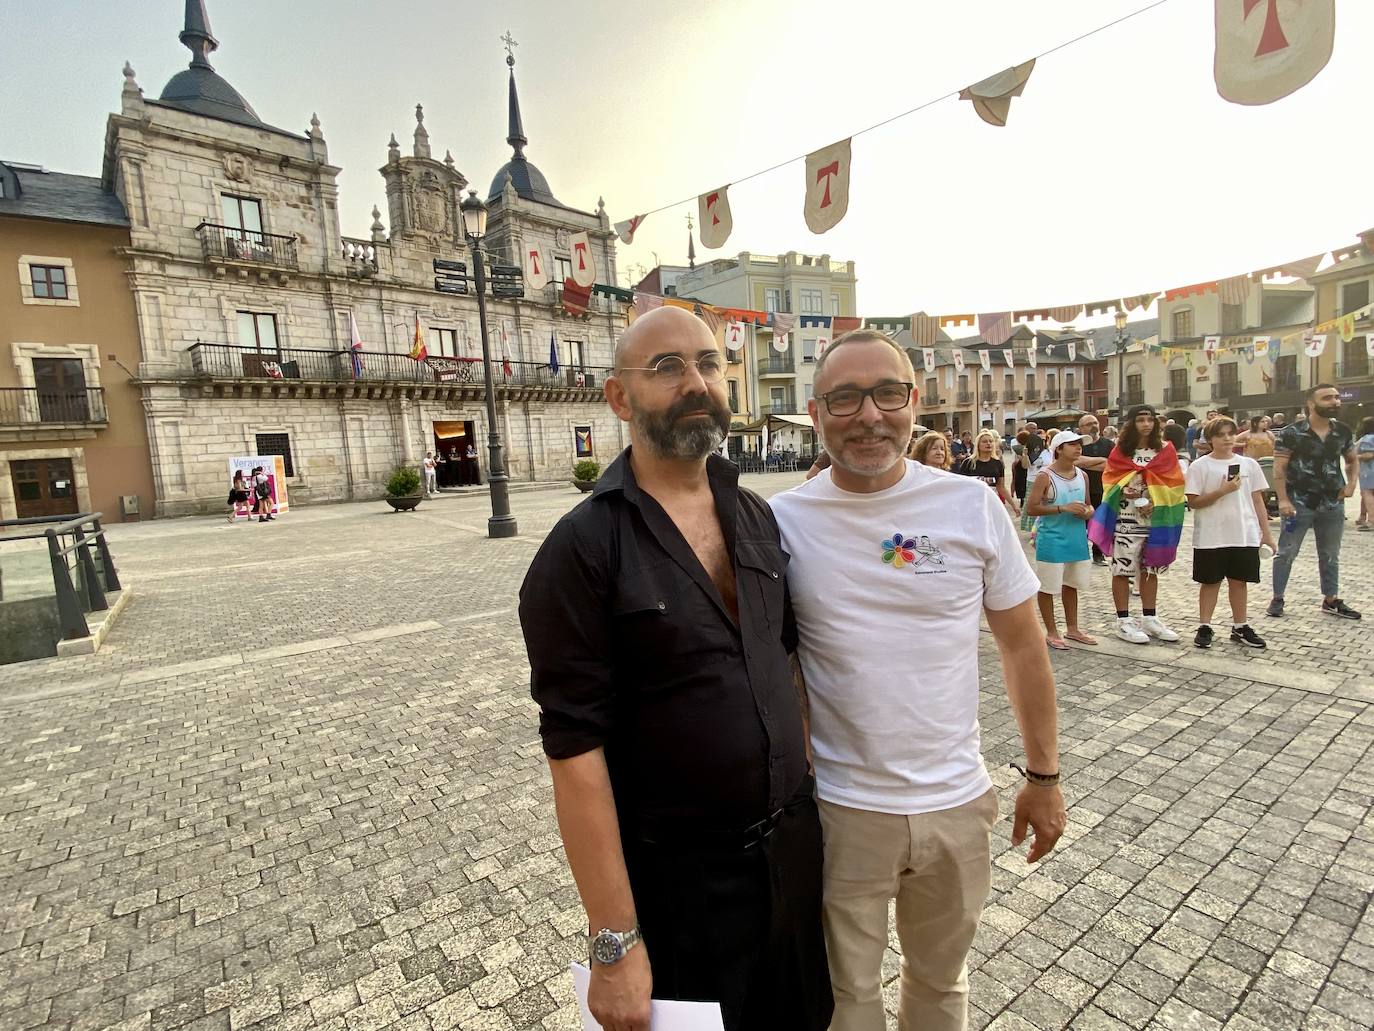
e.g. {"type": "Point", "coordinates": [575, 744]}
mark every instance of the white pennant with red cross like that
{"type": "Point", "coordinates": [583, 260]}
{"type": "Point", "coordinates": [1267, 49]}
{"type": "Point", "coordinates": [713, 215]}
{"type": "Point", "coordinates": [827, 186]}
{"type": "Point", "coordinates": [536, 268]}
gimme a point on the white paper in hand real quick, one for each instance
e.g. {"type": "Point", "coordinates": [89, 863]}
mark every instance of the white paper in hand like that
{"type": "Point", "coordinates": [663, 1016]}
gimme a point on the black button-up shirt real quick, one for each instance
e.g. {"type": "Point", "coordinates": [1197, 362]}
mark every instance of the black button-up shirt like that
{"type": "Point", "coordinates": [1314, 477]}
{"type": "Point", "coordinates": [632, 648]}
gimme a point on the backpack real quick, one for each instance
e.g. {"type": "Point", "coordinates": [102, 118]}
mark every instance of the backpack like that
{"type": "Point", "coordinates": [262, 490]}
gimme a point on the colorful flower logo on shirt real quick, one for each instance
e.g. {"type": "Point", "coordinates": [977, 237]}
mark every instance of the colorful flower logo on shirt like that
{"type": "Point", "coordinates": [897, 551]}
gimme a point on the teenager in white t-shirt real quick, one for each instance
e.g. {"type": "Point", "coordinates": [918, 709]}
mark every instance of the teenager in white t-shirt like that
{"type": "Point", "coordinates": [892, 564]}
{"type": "Point", "coordinates": [1226, 493]}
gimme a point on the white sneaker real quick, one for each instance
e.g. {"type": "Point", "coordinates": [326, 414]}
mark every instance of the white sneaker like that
{"type": "Point", "coordinates": [1156, 627]}
{"type": "Point", "coordinates": [1129, 630]}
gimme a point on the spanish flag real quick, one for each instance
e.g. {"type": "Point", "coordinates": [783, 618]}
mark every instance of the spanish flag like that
{"type": "Point", "coordinates": [418, 350]}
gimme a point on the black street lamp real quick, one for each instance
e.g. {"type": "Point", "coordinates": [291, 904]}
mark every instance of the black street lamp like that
{"type": "Point", "coordinates": [501, 523]}
{"type": "Point", "coordinates": [1120, 364]}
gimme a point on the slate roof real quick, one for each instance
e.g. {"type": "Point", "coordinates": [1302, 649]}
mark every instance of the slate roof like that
{"type": "Point", "coordinates": [60, 197]}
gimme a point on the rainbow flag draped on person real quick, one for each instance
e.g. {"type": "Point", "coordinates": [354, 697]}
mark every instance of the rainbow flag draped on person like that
{"type": "Point", "coordinates": [1164, 484]}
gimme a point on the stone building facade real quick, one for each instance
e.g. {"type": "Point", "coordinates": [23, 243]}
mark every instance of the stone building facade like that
{"type": "Point", "coordinates": [247, 293]}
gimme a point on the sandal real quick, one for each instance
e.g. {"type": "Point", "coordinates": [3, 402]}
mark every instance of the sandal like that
{"type": "Point", "coordinates": [1057, 643]}
{"type": "Point", "coordinates": [1080, 637]}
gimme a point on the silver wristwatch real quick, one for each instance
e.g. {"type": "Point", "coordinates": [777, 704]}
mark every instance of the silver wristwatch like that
{"type": "Point", "coordinates": [609, 946]}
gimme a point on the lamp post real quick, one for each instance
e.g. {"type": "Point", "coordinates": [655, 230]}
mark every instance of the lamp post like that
{"type": "Point", "coordinates": [1120, 364]}
{"type": "Point", "coordinates": [501, 523]}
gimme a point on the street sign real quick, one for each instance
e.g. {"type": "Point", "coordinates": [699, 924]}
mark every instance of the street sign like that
{"type": "Point", "coordinates": [450, 286]}
{"type": "Point", "coordinates": [507, 281]}
{"type": "Point", "coordinates": [440, 265]}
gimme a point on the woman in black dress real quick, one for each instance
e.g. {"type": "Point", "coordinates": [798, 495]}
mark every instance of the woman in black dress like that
{"type": "Point", "coordinates": [986, 464]}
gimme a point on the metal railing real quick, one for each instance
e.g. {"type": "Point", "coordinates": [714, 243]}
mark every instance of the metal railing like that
{"type": "Point", "coordinates": [1011, 396]}
{"type": "Point", "coordinates": [1352, 370]}
{"type": "Point", "coordinates": [1031, 393]}
{"type": "Point", "coordinates": [964, 397]}
{"type": "Point", "coordinates": [232, 362]}
{"type": "Point", "coordinates": [1071, 393]}
{"type": "Point", "coordinates": [24, 406]}
{"type": "Point", "coordinates": [1224, 389]}
{"type": "Point", "coordinates": [254, 248]}
{"type": "Point", "coordinates": [932, 402]}
{"type": "Point", "coordinates": [1177, 395]}
{"type": "Point", "coordinates": [1051, 393]}
{"type": "Point", "coordinates": [90, 561]}
{"type": "Point", "coordinates": [775, 366]}
{"type": "Point", "coordinates": [990, 397]}
{"type": "Point", "coordinates": [1137, 398]}
{"type": "Point", "coordinates": [787, 407]}
{"type": "Point", "coordinates": [1285, 384]}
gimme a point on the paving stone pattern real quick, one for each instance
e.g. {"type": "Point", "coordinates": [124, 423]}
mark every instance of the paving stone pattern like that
{"type": "Point", "coordinates": [301, 786]}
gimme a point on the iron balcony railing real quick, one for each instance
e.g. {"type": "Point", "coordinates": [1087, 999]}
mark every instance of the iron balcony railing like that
{"type": "Point", "coordinates": [990, 397]}
{"type": "Point", "coordinates": [1352, 370]}
{"type": "Point", "coordinates": [1011, 396]}
{"type": "Point", "coordinates": [1284, 384]}
{"type": "Point", "coordinates": [1051, 393]}
{"type": "Point", "coordinates": [1134, 398]}
{"type": "Point", "coordinates": [1031, 393]}
{"type": "Point", "coordinates": [24, 406]}
{"type": "Point", "coordinates": [1224, 389]}
{"type": "Point", "coordinates": [1177, 395]}
{"type": "Point", "coordinates": [225, 243]}
{"type": "Point", "coordinates": [964, 397]}
{"type": "Point", "coordinates": [932, 401]}
{"type": "Point", "coordinates": [232, 362]}
{"type": "Point", "coordinates": [787, 407]}
{"type": "Point", "coordinates": [1072, 393]}
{"type": "Point", "coordinates": [776, 366]}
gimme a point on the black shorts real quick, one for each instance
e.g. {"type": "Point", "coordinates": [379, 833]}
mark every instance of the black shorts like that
{"type": "Point", "coordinates": [1213, 565]}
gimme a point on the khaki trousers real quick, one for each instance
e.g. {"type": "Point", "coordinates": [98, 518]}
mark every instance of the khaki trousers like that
{"type": "Point", "coordinates": [938, 867]}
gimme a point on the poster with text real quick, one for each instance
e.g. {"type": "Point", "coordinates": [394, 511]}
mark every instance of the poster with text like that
{"type": "Point", "coordinates": [275, 468]}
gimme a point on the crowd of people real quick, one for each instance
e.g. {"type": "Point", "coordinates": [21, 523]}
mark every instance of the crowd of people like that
{"type": "Point", "coordinates": [752, 753]}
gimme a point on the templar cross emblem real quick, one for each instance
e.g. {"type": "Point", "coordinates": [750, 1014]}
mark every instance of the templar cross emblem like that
{"type": "Point", "coordinates": [1272, 39]}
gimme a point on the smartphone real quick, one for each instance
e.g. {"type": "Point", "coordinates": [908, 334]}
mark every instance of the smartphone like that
{"type": "Point", "coordinates": [1233, 472]}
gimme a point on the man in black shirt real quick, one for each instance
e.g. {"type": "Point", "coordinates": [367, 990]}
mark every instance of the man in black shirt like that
{"type": "Point", "coordinates": [1312, 490]}
{"type": "Point", "coordinates": [1093, 461]}
{"type": "Point", "coordinates": [658, 628]}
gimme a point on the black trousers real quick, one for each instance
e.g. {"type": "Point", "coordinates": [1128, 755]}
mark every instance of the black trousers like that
{"type": "Point", "coordinates": [739, 926]}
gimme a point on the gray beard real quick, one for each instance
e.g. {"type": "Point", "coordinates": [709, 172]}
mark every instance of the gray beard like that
{"type": "Point", "coordinates": [691, 442]}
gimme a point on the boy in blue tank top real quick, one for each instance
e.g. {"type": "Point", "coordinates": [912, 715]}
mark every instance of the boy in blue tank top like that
{"type": "Point", "coordinates": [1059, 497]}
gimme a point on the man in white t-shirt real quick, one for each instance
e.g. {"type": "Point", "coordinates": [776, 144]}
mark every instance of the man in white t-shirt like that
{"type": "Point", "coordinates": [431, 474]}
{"type": "Point", "coordinates": [1226, 493]}
{"type": "Point", "coordinates": [892, 565]}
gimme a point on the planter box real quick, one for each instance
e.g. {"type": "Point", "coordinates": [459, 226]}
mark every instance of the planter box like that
{"type": "Point", "coordinates": [405, 504]}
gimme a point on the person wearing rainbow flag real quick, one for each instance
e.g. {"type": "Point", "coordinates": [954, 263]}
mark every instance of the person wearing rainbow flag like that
{"type": "Point", "coordinates": [1140, 520]}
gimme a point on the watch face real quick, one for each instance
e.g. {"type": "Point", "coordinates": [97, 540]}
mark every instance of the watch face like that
{"type": "Point", "coordinates": [606, 948]}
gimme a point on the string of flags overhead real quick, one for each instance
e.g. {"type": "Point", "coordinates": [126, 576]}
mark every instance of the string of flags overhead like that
{"type": "Point", "coordinates": [1264, 51]}
{"type": "Point", "coordinates": [997, 329]}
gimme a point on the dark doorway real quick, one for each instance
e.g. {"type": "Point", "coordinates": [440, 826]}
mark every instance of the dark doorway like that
{"type": "Point", "coordinates": [61, 389]}
{"type": "Point", "coordinates": [455, 454]}
{"type": "Point", "coordinates": [43, 487]}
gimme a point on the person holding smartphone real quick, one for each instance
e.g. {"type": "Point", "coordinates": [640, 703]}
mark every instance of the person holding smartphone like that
{"type": "Point", "coordinates": [1230, 525]}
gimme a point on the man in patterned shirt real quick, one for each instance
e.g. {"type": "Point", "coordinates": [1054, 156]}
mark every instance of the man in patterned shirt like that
{"type": "Point", "coordinates": [1312, 491]}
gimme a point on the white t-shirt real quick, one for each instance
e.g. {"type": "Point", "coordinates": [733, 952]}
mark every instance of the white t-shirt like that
{"type": "Point", "coordinates": [889, 631]}
{"type": "Point", "coordinates": [1229, 522]}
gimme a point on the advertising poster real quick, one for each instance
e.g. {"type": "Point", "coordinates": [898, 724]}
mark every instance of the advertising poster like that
{"type": "Point", "coordinates": [582, 441]}
{"type": "Point", "coordinates": [274, 467]}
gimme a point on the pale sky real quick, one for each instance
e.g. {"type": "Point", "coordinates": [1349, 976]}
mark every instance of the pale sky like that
{"type": "Point", "coordinates": [1121, 171]}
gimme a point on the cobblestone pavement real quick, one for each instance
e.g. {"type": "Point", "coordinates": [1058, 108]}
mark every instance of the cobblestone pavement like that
{"type": "Point", "coordinates": [301, 786]}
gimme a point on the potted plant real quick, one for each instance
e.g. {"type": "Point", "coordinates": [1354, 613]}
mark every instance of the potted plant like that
{"type": "Point", "coordinates": [585, 473]}
{"type": "Point", "coordinates": [403, 489]}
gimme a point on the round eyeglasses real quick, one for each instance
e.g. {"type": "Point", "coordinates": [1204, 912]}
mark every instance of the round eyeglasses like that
{"type": "Point", "coordinates": [671, 369]}
{"type": "Point", "coordinates": [888, 397]}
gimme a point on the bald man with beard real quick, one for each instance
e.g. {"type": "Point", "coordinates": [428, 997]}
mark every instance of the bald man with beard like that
{"type": "Point", "coordinates": [658, 627]}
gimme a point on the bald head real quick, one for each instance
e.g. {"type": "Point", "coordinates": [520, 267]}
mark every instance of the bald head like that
{"type": "Point", "coordinates": [665, 330]}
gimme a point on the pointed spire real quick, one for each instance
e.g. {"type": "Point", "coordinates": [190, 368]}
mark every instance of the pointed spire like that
{"type": "Point", "coordinates": [421, 133]}
{"type": "Point", "coordinates": [516, 133]}
{"type": "Point", "coordinates": [691, 251]}
{"type": "Point", "coordinates": [129, 82]}
{"type": "Point", "coordinates": [196, 36]}
{"type": "Point", "coordinates": [393, 150]}
{"type": "Point", "coordinates": [315, 132]}
{"type": "Point", "coordinates": [448, 159]}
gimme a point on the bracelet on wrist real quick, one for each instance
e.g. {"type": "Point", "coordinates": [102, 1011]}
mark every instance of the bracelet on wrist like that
{"type": "Point", "coordinates": [1044, 780]}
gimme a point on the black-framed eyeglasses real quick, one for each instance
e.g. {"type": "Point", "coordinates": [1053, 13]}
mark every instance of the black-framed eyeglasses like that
{"type": "Point", "coordinates": [670, 369]}
{"type": "Point", "coordinates": [888, 397]}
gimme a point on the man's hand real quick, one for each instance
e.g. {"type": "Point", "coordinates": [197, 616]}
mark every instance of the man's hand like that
{"type": "Point", "coordinates": [1231, 485]}
{"type": "Point", "coordinates": [1042, 808]}
{"type": "Point", "coordinates": [618, 995]}
{"type": "Point", "coordinates": [1081, 509]}
{"type": "Point", "coordinates": [1287, 510]}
